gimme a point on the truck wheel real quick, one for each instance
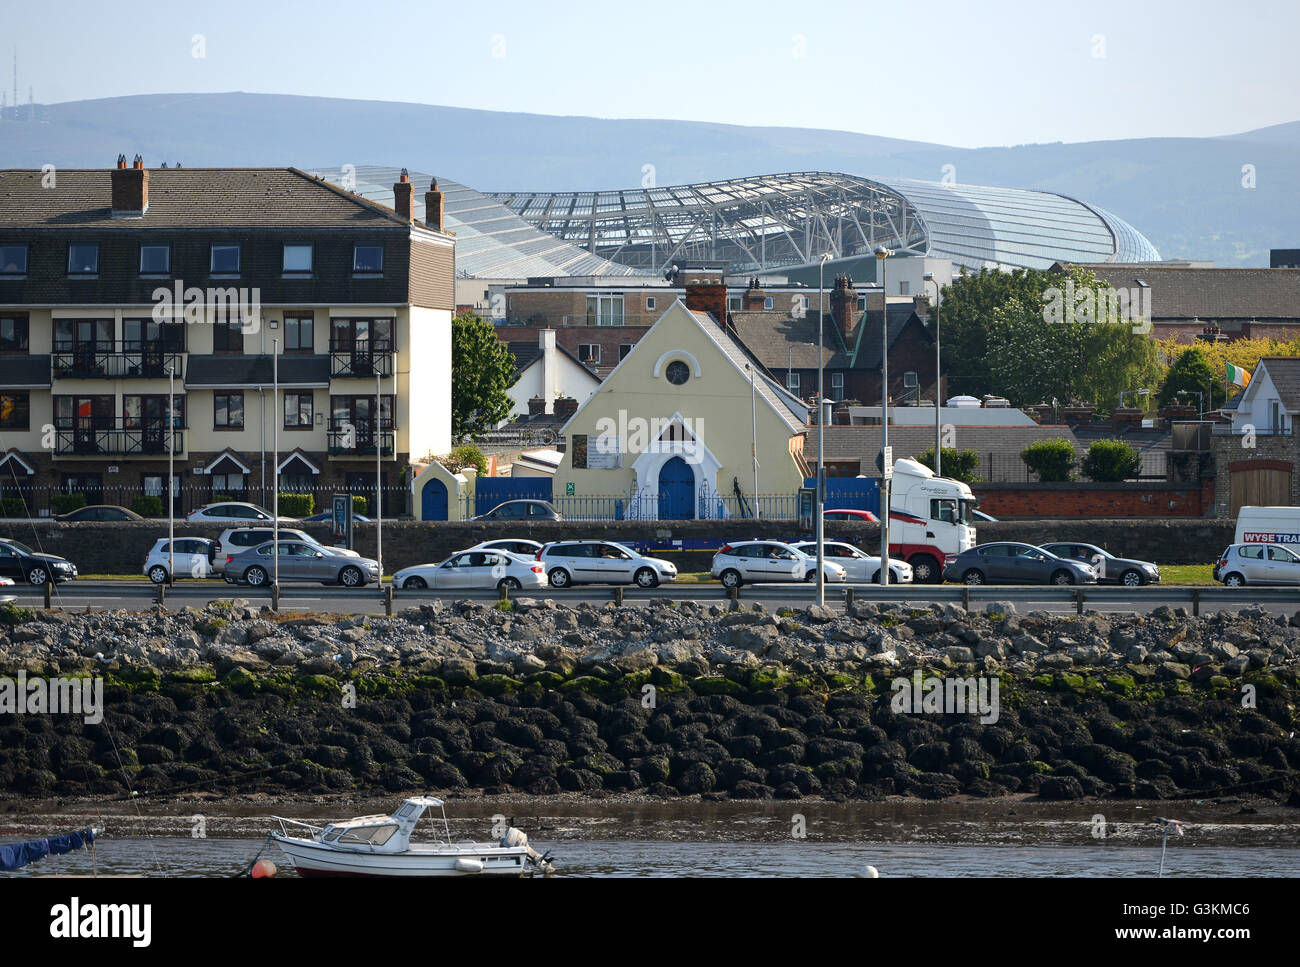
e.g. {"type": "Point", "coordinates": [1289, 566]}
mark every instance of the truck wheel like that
{"type": "Point", "coordinates": [925, 569]}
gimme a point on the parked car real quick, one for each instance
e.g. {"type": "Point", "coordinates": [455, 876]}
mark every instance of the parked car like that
{"type": "Point", "coordinates": [98, 512]}
{"type": "Point", "coordinates": [858, 565]}
{"type": "Point", "coordinates": [326, 515]}
{"type": "Point", "coordinates": [21, 563]}
{"type": "Point", "coordinates": [601, 562]}
{"type": "Point", "coordinates": [1110, 569]}
{"type": "Point", "coordinates": [299, 561]}
{"type": "Point", "coordinates": [1011, 563]}
{"type": "Point", "coordinates": [520, 546]}
{"type": "Point", "coordinates": [227, 511]}
{"type": "Point", "coordinates": [1243, 564]}
{"type": "Point", "coordinates": [234, 540]}
{"type": "Point", "coordinates": [475, 568]}
{"type": "Point", "coordinates": [865, 516]}
{"type": "Point", "coordinates": [753, 561]}
{"type": "Point", "coordinates": [522, 510]}
{"type": "Point", "coordinates": [191, 556]}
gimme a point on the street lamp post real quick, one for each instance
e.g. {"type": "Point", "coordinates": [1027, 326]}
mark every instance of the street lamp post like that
{"type": "Point", "coordinates": [938, 380]}
{"type": "Point", "coordinates": [821, 434]}
{"type": "Point", "coordinates": [171, 474]}
{"type": "Point", "coordinates": [886, 471]}
{"type": "Point", "coordinates": [753, 445]}
{"type": "Point", "coordinates": [379, 475]}
{"type": "Point", "coordinates": [276, 416]}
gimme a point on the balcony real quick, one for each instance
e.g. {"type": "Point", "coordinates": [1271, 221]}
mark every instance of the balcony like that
{"type": "Point", "coordinates": [130, 359]}
{"type": "Point", "coordinates": [120, 438]}
{"type": "Point", "coordinates": [360, 358]}
{"type": "Point", "coordinates": [359, 438]}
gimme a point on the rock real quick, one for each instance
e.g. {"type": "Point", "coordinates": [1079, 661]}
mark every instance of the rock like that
{"type": "Point", "coordinates": [1175, 670]}
{"type": "Point", "coordinates": [819, 614]}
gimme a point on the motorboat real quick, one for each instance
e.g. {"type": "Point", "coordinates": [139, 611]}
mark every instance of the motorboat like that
{"type": "Point", "coordinates": [381, 846]}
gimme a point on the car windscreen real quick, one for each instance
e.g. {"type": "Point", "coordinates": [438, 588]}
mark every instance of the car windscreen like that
{"type": "Point", "coordinates": [20, 547]}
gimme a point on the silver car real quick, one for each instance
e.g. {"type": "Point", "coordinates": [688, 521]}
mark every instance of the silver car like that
{"type": "Point", "coordinates": [299, 561]}
{"type": "Point", "coordinates": [602, 562]}
{"type": "Point", "coordinates": [1257, 564]}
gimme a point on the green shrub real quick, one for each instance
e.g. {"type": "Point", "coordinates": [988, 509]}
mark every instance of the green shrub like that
{"type": "Point", "coordinates": [957, 464]}
{"type": "Point", "coordinates": [148, 506]}
{"type": "Point", "coordinates": [297, 505]}
{"type": "Point", "coordinates": [1052, 460]}
{"type": "Point", "coordinates": [67, 503]}
{"type": "Point", "coordinates": [12, 507]}
{"type": "Point", "coordinates": [11, 614]}
{"type": "Point", "coordinates": [1112, 461]}
{"type": "Point", "coordinates": [468, 455]}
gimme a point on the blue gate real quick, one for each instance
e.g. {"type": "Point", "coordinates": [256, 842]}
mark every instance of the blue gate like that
{"type": "Point", "coordinates": [676, 490]}
{"type": "Point", "coordinates": [490, 491]}
{"type": "Point", "coordinates": [433, 501]}
{"type": "Point", "coordinates": [850, 493]}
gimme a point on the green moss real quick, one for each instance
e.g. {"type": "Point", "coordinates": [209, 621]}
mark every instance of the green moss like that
{"type": "Point", "coordinates": [544, 679]}
{"type": "Point", "coordinates": [1121, 684]}
{"type": "Point", "coordinates": [836, 682]}
{"type": "Point", "coordinates": [495, 685]}
{"type": "Point", "coordinates": [1039, 766]}
{"type": "Point", "coordinates": [208, 627]}
{"type": "Point", "coordinates": [716, 686]}
{"type": "Point", "coordinates": [505, 604]}
{"type": "Point", "coordinates": [192, 675]}
{"type": "Point", "coordinates": [586, 683]}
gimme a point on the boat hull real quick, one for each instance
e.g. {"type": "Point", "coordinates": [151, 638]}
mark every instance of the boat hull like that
{"type": "Point", "coordinates": [315, 860]}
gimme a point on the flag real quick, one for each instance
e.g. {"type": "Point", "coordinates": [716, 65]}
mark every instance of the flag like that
{"type": "Point", "coordinates": [1237, 376]}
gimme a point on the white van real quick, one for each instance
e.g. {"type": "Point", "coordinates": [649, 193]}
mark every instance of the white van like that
{"type": "Point", "coordinates": [1269, 525]}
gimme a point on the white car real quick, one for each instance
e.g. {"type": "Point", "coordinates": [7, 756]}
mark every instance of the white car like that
{"type": "Point", "coordinates": [236, 540]}
{"type": "Point", "coordinates": [474, 568]}
{"type": "Point", "coordinates": [754, 561]}
{"type": "Point", "coordinates": [602, 562]}
{"type": "Point", "coordinates": [858, 565]}
{"type": "Point", "coordinates": [230, 510]}
{"type": "Point", "coordinates": [520, 546]}
{"type": "Point", "coordinates": [192, 557]}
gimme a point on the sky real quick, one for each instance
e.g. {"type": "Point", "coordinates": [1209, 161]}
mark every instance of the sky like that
{"type": "Point", "coordinates": [967, 74]}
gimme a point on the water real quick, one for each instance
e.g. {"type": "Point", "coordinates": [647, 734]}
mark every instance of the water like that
{"type": "Point", "coordinates": [656, 838]}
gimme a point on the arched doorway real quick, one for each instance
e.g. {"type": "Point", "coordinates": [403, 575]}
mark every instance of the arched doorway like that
{"type": "Point", "coordinates": [433, 501]}
{"type": "Point", "coordinates": [676, 490]}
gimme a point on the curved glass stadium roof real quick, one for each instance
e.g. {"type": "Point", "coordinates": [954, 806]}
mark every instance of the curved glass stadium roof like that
{"type": "Point", "coordinates": [790, 220]}
{"type": "Point", "coordinates": [492, 242]}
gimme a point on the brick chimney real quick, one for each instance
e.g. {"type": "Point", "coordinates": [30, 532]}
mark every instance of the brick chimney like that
{"type": "Point", "coordinates": [433, 206]}
{"type": "Point", "coordinates": [755, 298]}
{"type": "Point", "coordinates": [130, 188]}
{"type": "Point", "coordinates": [844, 308]}
{"type": "Point", "coordinates": [565, 407]}
{"type": "Point", "coordinates": [404, 196]}
{"type": "Point", "coordinates": [536, 406]}
{"type": "Point", "coordinates": [708, 295]}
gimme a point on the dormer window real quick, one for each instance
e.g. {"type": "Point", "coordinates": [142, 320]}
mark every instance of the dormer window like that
{"type": "Point", "coordinates": [225, 260]}
{"type": "Point", "coordinates": [297, 259]}
{"type": "Point", "coordinates": [83, 258]}
{"type": "Point", "coordinates": [367, 258]}
{"type": "Point", "coordinates": [13, 260]}
{"type": "Point", "coordinates": [155, 259]}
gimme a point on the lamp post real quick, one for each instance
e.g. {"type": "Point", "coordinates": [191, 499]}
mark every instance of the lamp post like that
{"type": "Point", "coordinates": [171, 474]}
{"type": "Point", "coordinates": [938, 379]}
{"type": "Point", "coordinates": [276, 416]}
{"type": "Point", "coordinates": [379, 472]}
{"type": "Point", "coordinates": [753, 445]}
{"type": "Point", "coordinates": [886, 470]}
{"type": "Point", "coordinates": [821, 434]}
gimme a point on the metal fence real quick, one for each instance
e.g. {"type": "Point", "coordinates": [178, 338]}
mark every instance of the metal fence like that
{"type": "Point", "coordinates": [706, 506]}
{"type": "Point", "coordinates": [17, 501]}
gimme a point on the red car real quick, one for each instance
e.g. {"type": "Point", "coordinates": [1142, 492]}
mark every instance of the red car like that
{"type": "Point", "coordinates": [866, 516]}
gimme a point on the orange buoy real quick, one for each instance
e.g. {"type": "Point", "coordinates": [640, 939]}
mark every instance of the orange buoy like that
{"type": "Point", "coordinates": [263, 869]}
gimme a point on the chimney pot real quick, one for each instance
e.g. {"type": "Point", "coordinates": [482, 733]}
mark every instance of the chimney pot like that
{"type": "Point", "coordinates": [130, 188]}
{"type": "Point", "coordinates": [844, 309]}
{"type": "Point", "coordinates": [404, 197]}
{"type": "Point", "coordinates": [433, 206]}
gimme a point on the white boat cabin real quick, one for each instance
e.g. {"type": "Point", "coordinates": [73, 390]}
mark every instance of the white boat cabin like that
{"type": "Point", "coordinates": [380, 833]}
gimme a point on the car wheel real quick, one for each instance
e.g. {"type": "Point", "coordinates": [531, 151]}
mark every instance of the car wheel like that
{"type": "Point", "coordinates": [811, 576]}
{"type": "Point", "coordinates": [925, 569]}
{"type": "Point", "coordinates": [1062, 577]}
{"type": "Point", "coordinates": [256, 576]}
{"type": "Point", "coordinates": [973, 576]}
{"type": "Point", "coordinates": [647, 578]}
{"type": "Point", "coordinates": [1234, 580]}
{"type": "Point", "coordinates": [414, 584]}
{"type": "Point", "coordinates": [350, 577]}
{"type": "Point", "coordinates": [38, 575]}
{"type": "Point", "coordinates": [559, 578]}
{"type": "Point", "coordinates": [875, 578]}
{"type": "Point", "coordinates": [1131, 579]}
{"type": "Point", "coordinates": [509, 584]}
{"type": "Point", "coordinates": [158, 574]}
{"type": "Point", "coordinates": [730, 578]}
{"type": "Point", "coordinates": [230, 580]}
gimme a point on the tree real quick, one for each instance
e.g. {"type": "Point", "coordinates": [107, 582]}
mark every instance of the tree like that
{"type": "Point", "coordinates": [1111, 461]}
{"type": "Point", "coordinates": [1245, 353]}
{"type": "Point", "coordinates": [1052, 460]}
{"type": "Point", "coordinates": [965, 311]}
{"type": "Point", "coordinates": [467, 455]}
{"type": "Point", "coordinates": [1191, 374]}
{"type": "Point", "coordinates": [482, 369]}
{"type": "Point", "coordinates": [957, 464]}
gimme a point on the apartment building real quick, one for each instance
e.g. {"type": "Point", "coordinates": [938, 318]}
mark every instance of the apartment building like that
{"type": "Point", "coordinates": [125, 291]}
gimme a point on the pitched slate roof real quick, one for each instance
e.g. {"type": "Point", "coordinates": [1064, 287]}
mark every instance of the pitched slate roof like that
{"type": "Point", "coordinates": [1201, 293]}
{"type": "Point", "coordinates": [233, 370]}
{"type": "Point", "coordinates": [786, 406]}
{"type": "Point", "coordinates": [867, 352]}
{"type": "Point", "coordinates": [779, 340]}
{"type": "Point", "coordinates": [189, 198]}
{"type": "Point", "coordinates": [1284, 371]}
{"type": "Point", "coordinates": [526, 353]}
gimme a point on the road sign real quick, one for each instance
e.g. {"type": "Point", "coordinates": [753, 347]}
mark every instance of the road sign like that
{"type": "Point", "coordinates": [807, 509]}
{"type": "Point", "coordinates": [887, 463]}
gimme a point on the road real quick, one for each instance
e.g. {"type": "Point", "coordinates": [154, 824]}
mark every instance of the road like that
{"type": "Point", "coordinates": [139, 595]}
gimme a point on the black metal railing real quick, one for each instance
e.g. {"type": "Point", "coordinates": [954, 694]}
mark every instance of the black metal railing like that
{"type": "Point", "coordinates": [115, 437]}
{"type": "Point", "coordinates": [361, 357]}
{"type": "Point", "coordinates": [37, 502]}
{"type": "Point", "coordinates": [129, 359]}
{"type": "Point", "coordinates": [360, 437]}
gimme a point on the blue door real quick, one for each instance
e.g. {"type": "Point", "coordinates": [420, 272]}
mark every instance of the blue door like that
{"type": "Point", "coordinates": [676, 491]}
{"type": "Point", "coordinates": [433, 501]}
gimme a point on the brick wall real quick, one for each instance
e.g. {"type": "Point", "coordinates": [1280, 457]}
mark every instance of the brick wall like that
{"type": "Point", "coordinates": [1066, 500]}
{"type": "Point", "coordinates": [1229, 453]}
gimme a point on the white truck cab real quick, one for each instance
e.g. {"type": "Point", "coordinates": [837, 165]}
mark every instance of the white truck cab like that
{"type": "Point", "coordinates": [931, 519]}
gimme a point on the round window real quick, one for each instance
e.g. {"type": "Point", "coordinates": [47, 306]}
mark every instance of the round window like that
{"type": "Point", "coordinates": [678, 372]}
